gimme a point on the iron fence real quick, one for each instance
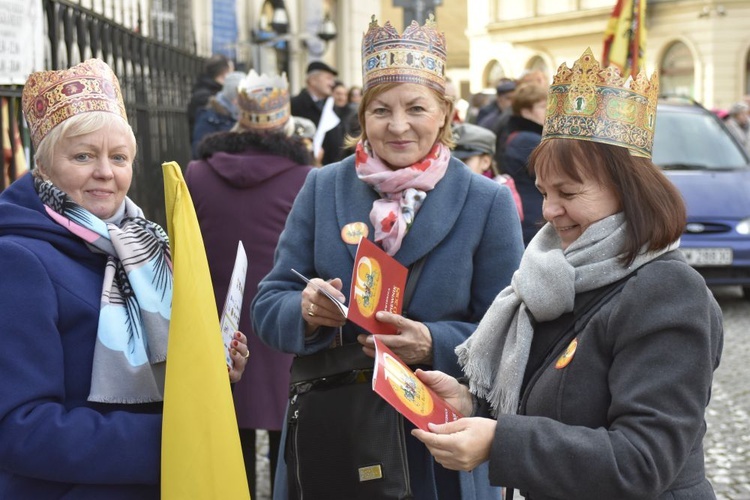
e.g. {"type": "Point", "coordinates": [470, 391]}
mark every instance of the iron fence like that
{"type": "Point", "coordinates": [156, 80]}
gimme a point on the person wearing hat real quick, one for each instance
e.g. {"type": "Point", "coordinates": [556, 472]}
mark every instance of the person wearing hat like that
{"type": "Point", "coordinates": [319, 86]}
{"type": "Point", "coordinates": [215, 70]}
{"type": "Point", "coordinates": [85, 303]}
{"type": "Point", "coordinates": [475, 146]}
{"type": "Point", "coordinates": [220, 113]}
{"type": "Point", "coordinates": [496, 113]}
{"type": "Point", "coordinates": [243, 186]}
{"type": "Point", "coordinates": [589, 377]}
{"type": "Point", "coordinates": [403, 191]}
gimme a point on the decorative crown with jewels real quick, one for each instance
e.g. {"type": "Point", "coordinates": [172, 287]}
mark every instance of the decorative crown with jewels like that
{"type": "Point", "coordinates": [417, 56]}
{"type": "Point", "coordinates": [597, 104]}
{"type": "Point", "coordinates": [264, 101]}
{"type": "Point", "coordinates": [51, 97]}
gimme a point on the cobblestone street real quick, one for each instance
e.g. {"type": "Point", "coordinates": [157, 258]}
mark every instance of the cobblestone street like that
{"type": "Point", "coordinates": [728, 438]}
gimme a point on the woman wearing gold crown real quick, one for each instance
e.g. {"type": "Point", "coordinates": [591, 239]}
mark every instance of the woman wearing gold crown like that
{"type": "Point", "coordinates": [402, 190]}
{"type": "Point", "coordinates": [85, 302]}
{"type": "Point", "coordinates": [597, 361]}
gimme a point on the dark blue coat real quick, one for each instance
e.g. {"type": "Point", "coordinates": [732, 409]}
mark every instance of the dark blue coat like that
{"type": "Point", "coordinates": [53, 443]}
{"type": "Point", "coordinates": [523, 136]}
{"type": "Point", "coordinates": [468, 228]}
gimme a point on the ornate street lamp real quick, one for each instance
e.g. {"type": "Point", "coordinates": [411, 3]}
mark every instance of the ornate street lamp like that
{"type": "Point", "coordinates": [274, 32]}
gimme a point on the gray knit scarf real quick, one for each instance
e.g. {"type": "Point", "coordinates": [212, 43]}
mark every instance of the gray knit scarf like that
{"type": "Point", "coordinates": [543, 288]}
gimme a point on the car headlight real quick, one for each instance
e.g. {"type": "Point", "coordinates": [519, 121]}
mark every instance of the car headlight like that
{"type": "Point", "coordinates": [743, 227]}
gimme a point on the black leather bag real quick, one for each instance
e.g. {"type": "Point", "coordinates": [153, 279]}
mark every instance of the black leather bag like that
{"type": "Point", "coordinates": [343, 441]}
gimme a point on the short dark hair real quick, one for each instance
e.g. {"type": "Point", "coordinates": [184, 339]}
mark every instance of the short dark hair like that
{"type": "Point", "coordinates": [216, 65]}
{"type": "Point", "coordinates": [527, 95]}
{"type": "Point", "coordinates": [653, 206]}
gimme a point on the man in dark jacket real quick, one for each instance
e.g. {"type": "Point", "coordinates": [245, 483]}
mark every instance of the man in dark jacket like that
{"type": "Point", "coordinates": [309, 102]}
{"type": "Point", "coordinates": [498, 110]}
{"type": "Point", "coordinates": [209, 83]}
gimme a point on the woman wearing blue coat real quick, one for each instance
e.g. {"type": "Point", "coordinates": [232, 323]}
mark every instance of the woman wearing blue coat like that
{"type": "Point", "coordinates": [402, 190]}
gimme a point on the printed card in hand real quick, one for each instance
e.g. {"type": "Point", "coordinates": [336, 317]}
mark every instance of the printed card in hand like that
{"type": "Point", "coordinates": [230, 315]}
{"type": "Point", "coordinates": [399, 386]}
{"type": "Point", "coordinates": [341, 306]}
{"type": "Point", "coordinates": [378, 282]}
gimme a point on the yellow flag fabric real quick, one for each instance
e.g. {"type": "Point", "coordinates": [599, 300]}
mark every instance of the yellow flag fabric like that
{"type": "Point", "coordinates": [14, 159]}
{"type": "Point", "coordinates": [625, 37]}
{"type": "Point", "coordinates": [201, 453]}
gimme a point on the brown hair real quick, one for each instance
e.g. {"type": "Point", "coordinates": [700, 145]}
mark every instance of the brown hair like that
{"type": "Point", "coordinates": [527, 95]}
{"type": "Point", "coordinates": [652, 205]}
{"type": "Point", "coordinates": [445, 135]}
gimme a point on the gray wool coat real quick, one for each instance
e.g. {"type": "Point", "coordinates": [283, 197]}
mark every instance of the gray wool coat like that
{"type": "Point", "coordinates": [625, 418]}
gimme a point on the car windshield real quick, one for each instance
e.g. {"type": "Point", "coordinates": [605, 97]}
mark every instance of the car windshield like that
{"type": "Point", "coordinates": [694, 141]}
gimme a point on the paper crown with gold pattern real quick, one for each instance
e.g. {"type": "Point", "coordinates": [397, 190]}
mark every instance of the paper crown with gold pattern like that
{"type": "Point", "coordinates": [51, 97]}
{"type": "Point", "coordinates": [597, 104]}
{"type": "Point", "coordinates": [264, 101]}
{"type": "Point", "coordinates": [417, 56]}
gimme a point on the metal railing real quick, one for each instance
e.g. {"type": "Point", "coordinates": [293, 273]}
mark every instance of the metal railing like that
{"type": "Point", "coordinates": [156, 81]}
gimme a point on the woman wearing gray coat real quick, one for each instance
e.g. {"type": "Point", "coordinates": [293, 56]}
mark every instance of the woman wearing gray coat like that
{"type": "Point", "coordinates": [596, 363]}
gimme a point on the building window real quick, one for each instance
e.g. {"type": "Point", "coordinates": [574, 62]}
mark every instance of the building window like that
{"type": "Point", "coordinates": [537, 71]}
{"type": "Point", "coordinates": [492, 74]}
{"type": "Point", "coordinates": [747, 73]}
{"type": "Point", "coordinates": [677, 71]}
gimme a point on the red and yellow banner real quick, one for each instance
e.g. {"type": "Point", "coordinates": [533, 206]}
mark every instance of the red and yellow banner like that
{"type": "Point", "coordinates": [625, 37]}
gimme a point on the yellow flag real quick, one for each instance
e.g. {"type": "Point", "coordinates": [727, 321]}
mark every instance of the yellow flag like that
{"type": "Point", "coordinates": [625, 37]}
{"type": "Point", "coordinates": [201, 457]}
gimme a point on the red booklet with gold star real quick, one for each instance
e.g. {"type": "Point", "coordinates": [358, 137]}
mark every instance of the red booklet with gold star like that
{"type": "Point", "coordinates": [395, 382]}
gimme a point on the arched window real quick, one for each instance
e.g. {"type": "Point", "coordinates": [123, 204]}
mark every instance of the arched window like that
{"type": "Point", "coordinates": [492, 74]}
{"type": "Point", "coordinates": [677, 71]}
{"type": "Point", "coordinates": [536, 71]}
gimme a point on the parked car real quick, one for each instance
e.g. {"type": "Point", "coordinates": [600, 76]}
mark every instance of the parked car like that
{"type": "Point", "coordinates": [712, 171]}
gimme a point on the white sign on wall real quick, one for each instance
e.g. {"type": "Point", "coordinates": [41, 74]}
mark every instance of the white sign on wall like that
{"type": "Point", "coordinates": [21, 40]}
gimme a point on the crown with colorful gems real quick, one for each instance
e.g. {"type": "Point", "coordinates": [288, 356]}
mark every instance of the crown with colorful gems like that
{"type": "Point", "coordinates": [51, 97]}
{"type": "Point", "coordinates": [597, 104]}
{"type": "Point", "coordinates": [264, 101]}
{"type": "Point", "coordinates": [417, 56]}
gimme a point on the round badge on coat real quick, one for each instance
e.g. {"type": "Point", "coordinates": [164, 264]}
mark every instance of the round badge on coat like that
{"type": "Point", "coordinates": [353, 232]}
{"type": "Point", "coordinates": [566, 357]}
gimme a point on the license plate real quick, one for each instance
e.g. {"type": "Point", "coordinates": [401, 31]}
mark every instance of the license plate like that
{"type": "Point", "coordinates": [708, 256]}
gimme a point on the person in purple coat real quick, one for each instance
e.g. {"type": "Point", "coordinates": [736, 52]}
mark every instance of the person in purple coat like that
{"type": "Point", "coordinates": [243, 187]}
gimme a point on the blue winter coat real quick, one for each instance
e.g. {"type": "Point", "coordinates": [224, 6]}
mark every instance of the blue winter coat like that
{"type": "Point", "coordinates": [524, 136]}
{"type": "Point", "coordinates": [468, 227]}
{"type": "Point", "coordinates": [54, 443]}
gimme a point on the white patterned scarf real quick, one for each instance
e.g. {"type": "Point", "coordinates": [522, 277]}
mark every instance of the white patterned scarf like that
{"type": "Point", "coordinates": [543, 288]}
{"type": "Point", "coordinates": [402, 191]}
{"type": "Point", "coordinates": [131, 340]}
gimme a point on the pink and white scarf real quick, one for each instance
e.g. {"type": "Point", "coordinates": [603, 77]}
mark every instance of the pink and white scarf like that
{"type": "Point", "coordinates": [402, 191]}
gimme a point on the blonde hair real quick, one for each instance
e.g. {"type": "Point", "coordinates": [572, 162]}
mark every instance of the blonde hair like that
{"type": "Point", "coordinates": [445, 135]}
{"type": "Point", "coordinates": [77, 125]}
